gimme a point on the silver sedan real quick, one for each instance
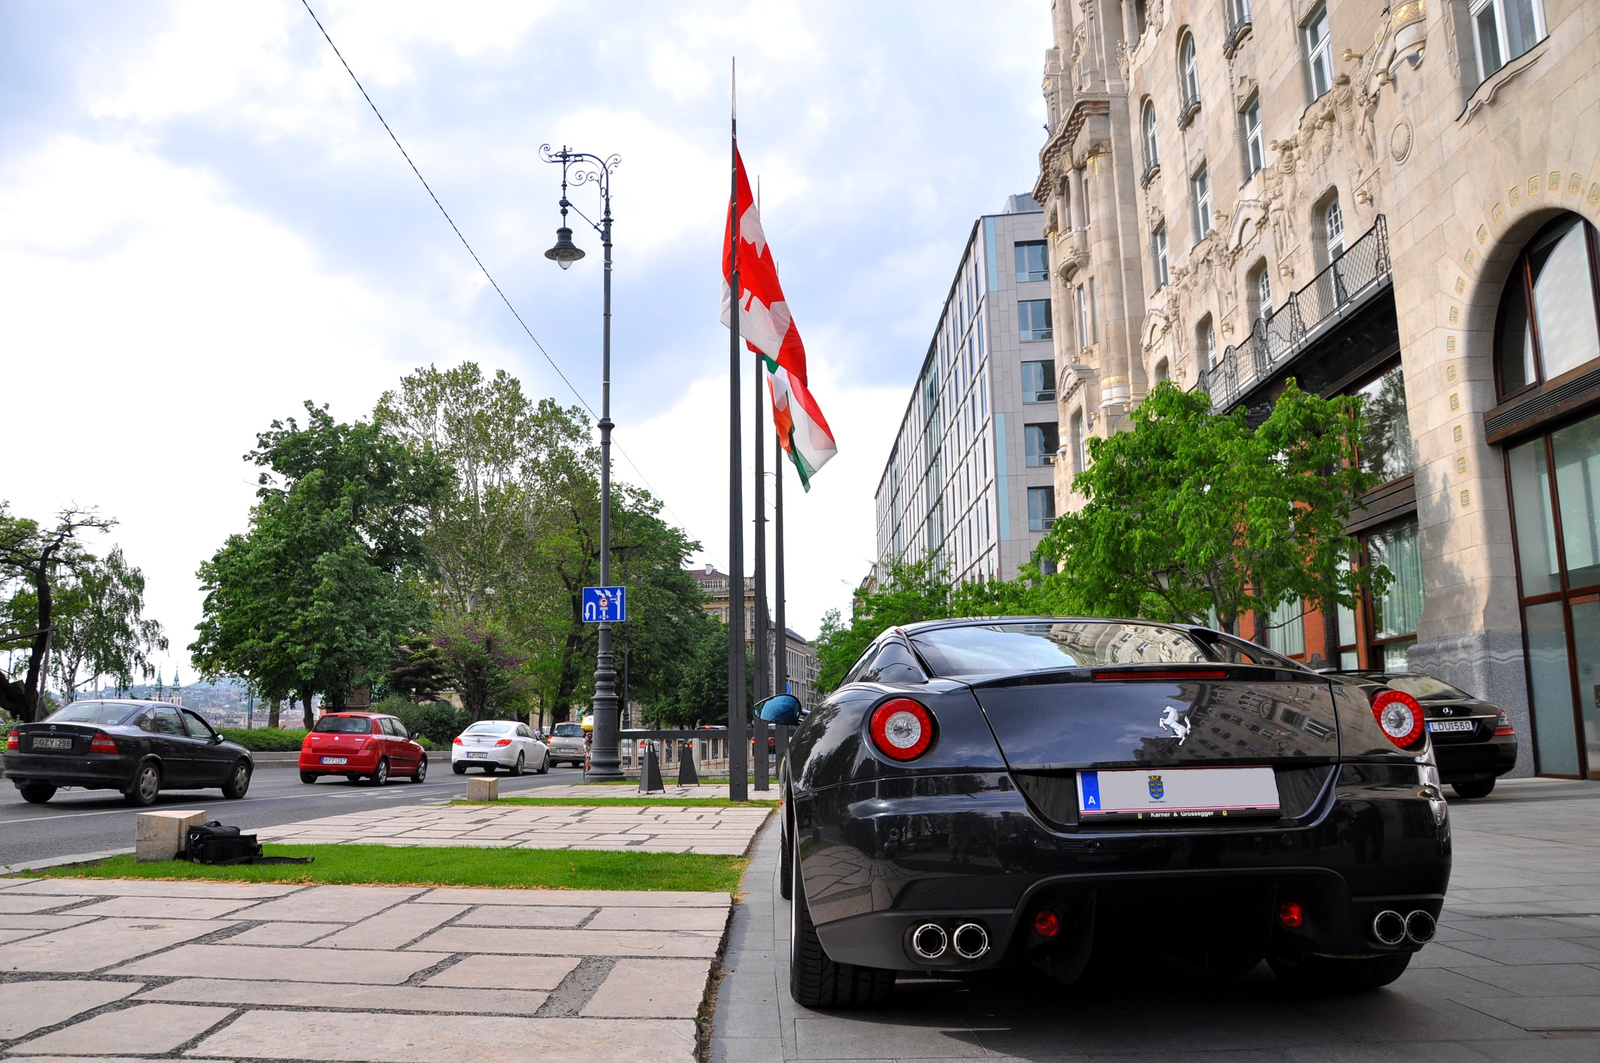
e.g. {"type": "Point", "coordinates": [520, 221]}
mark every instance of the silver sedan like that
{"type": "Point", "coordinates": [496, 744]}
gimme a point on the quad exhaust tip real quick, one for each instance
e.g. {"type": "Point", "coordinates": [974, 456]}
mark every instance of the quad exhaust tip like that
{"type": "Point", "coordinates": [1389, 927]}
{"type": "Point", "coordinates": [1420, 927]}
{"type": "Point", "coordinates": [930, 941]}
{"type": "Point", "coordinates": [971, 941]}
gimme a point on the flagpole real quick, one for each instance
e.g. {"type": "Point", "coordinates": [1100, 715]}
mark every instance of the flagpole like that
{"type": "Point", "coordinates": [780, 653]}
{"type": "Point", "coordinates": [759, 619]}
{"type": "Point", "coordinates": [738, 746]}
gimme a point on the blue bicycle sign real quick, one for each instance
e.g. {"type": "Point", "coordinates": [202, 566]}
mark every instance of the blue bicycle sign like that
{"type": "Point", "coordinates": [605, 604]}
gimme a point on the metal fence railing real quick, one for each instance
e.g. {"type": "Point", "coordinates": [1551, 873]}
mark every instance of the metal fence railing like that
{"type": "Point", "coordinates": [1281, 334]}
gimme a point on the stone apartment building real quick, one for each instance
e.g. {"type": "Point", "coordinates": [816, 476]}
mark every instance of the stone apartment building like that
{"type": "Point", "coordinates": [800, 655]}
{"type": "Point", "coordinates": [1392, 199]}
{"type": "Point", "coordinates": [970, 480]}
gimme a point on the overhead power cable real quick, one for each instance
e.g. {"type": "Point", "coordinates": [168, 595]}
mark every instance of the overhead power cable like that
{"type": "Point", "coordinates": [485, 269]}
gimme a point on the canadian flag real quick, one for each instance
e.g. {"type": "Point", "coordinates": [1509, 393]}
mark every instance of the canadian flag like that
{"type": "Point", "coordinates": [767, 327]}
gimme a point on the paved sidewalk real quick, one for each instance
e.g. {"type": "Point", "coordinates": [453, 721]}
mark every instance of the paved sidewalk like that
{"type": "Point", "coordinates": [606, 790]}
{"type": "Point", "coordinates": [215, 970]}
{"type": "Point", "coordinates": [1513, 976]}
{"type": "Point", "coordinates": [654, 828]}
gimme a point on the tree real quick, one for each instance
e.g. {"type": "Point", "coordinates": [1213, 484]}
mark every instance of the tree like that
{"type": "Point", "coordinates": [701, 693]}
{"type": "Point", "coordinates": [31, 561]}
{"type": "Point", "coordinates": [315, 597]}
{"type": "Point", "coordinates": [415, 672]}
{"type": "Point", "coordinates": [907, 593]}
{"type": "Point", "coordinates": [482, 665]}
{"type": "Point", "coordinates": [1237, 519]}
{"type": "Point", "coordinates": [100, 629]}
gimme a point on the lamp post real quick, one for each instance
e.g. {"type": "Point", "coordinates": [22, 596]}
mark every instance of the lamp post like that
{"type": "Point", "coordinates": [578, 168]}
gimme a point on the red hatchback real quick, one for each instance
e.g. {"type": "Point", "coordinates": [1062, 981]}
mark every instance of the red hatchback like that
{"type": "Point", "coordinates": [354, 744]}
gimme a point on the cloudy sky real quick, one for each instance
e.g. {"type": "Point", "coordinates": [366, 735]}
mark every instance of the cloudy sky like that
{"type": "Point", "coordinates": [202, 225]}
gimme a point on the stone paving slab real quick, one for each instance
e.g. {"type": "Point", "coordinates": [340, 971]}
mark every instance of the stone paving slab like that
{"type": "Point", "coordinates": [510, 972]}
{"type": "Point", "coordinates": [587, 898]}
{"type": "Point", "coordinates": [645, 989]}
{"type": "Point", "coordinates": [83, 888]}
{"type": "Point", "coordinates": [548, 916]}
{"type": "Point", "coordinates": [29, 1006]}
{"type": "Point", "coordinates": [102, 943]}
{"type": "Point", "coordinates": [351, 997]}
{"type": "Point", "coordinates": [141, 1029]}
{"type": "Point", "coordinates": [569, 942]}
{"type": "Point", "coordinates": [362, 966]}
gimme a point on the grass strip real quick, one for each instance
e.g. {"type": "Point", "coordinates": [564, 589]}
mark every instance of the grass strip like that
{"type": "Point", "coordinates": [391, 865]}
{"type": "Point", "coordinates": [626, 802]}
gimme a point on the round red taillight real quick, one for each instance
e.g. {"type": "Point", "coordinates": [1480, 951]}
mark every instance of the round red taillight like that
{"type": "Point", "coordinates": [1290, 914]}
{"type": "Point", "coordinates": [1046, 924]}
{"type": "Point", "coordinates": [1399, 715]}
{"type": "Point", "coordinates": [902, 729]}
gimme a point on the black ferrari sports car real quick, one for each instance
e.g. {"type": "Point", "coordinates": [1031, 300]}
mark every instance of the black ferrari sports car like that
{"type": "Point", "coordinates": [137, 747]}
{"type": "Point", "coordinates": [979, 793]}
{"type": "Point", "coordinates": [1473, 740]}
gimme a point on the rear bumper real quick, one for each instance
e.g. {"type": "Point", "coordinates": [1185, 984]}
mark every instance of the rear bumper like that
{"type": "Point", "coordinates": [1469, 761]}
{"type": "Point", "coordinates": [504, 756]}
{"type": "Point", "coordinates": [876, 866]}
{"type": "Point", "coordinates": [355, 764]}
{"type": "Point", "coordinates": [96, 771]}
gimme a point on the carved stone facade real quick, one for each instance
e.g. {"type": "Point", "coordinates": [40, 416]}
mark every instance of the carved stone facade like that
{"type": "Point", "coordinates": [1396, 142]}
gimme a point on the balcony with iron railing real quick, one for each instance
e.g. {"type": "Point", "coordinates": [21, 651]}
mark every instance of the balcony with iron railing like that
{"type": "Point", "coordinates": [1239, 27]}
{"type": "Point", "coordinates": [1348, 283]}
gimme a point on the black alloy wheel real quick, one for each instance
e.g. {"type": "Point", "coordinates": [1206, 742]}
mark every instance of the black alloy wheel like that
{"type": "Point", "coordinates": [37, 793]}
{"type": "Point", "coordinates": [146, 785]}
{"type": "Point", "coordinates": [1474, 789]}
{"type": "Point", "coordinates": [308, 776]}
{"type": "Point", "coordinates": [421, 774]}
{"type": "Point", "coordinates": [1330, 974]}
{"type": "Point", "coordinates": [239, 781]}
{"type": "Point", "coordinates": [516, 769]}
{"type": "Point", "coordinates": [381, 776]}
{"type": "Point", "coordinates": [815, 981]}
{"type": "Point", "coordinates": [459, 769]}
{"type": "Point", "coordinates": [544, 765]}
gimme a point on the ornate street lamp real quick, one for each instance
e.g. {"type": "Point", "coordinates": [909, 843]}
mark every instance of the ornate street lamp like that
{"type": "Point", "coordinates": [578, 168]}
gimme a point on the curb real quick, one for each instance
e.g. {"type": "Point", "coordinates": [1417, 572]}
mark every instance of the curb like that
{"type": "Point", "coordinates": [12, 870]}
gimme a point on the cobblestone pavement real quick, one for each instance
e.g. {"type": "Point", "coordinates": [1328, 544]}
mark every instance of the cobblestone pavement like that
{"type": "Point", "coordinates": [655, 828]}
{"type": "Point", "coordinates": [1513, 976]}
{"type": "Point", "coordinates": [214, 970]}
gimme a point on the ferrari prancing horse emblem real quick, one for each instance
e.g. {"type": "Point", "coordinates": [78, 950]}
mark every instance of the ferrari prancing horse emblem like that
{"type": "Point", "coordinates": [1157, 788]}
{"type": "Point", "coordinates": [1174, 720]}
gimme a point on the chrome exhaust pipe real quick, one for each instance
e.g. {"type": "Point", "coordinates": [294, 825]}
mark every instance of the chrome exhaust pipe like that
{"type": "Point", "coordinates": [971, 941]}
{"type": "Point", "coordinates": [1389, 928]}
{"type": "Point", "coordinates": [1420, 927]}
{"type": "Point", "coordinates": [929, 941]}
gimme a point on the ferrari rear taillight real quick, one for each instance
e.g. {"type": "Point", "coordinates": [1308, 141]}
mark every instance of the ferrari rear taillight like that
{"type": "Point", "coordinates": [902, 729]}
{"type": "Point", "coordinates": [1502, 726]}
{"type": "Point", "coordinates": [103, 743]}
{"type": "Point", "coordinates": [503, 742]}
{"type": "Point", "coordinates": [12, 741]}
{"type": "Point", "coordinates": [1399, 715]}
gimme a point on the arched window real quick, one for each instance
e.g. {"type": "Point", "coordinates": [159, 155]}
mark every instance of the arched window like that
{"type": "Point", "coordinates": [1259, 291]}
{"type": "Point", "coordinates": [1550, 313]}
{"type": "Point", "coordinates": [1189, 71]}
{"type": "Point", "coordinates": [1163, 371]}
{"type": "Point", "coordinates": [1205, 341]}
{"type": "Point", "coordinates": [1152, 147]}
{"type": "Point", "coordinates": [1075, 443]}
{"type": "Point", "coordinates": [1141, 18]}
{"type": "Point", "coordinates": [1333, 229]}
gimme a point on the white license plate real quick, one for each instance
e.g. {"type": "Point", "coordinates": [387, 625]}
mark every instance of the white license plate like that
{"type": "Point", "coordinates": [1451, 725]}
{"type": "Point", "coordinates": [52, 743]}
{"type": "Point", "coordinates": [333, 760]}
{"type": "Point", "coordinates": [1177, 793]}
{"type": "Point", "coordinates": [471, 754]}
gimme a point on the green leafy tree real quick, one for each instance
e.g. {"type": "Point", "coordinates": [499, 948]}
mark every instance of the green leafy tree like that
{"type": "Point", "coordinates": [101, 632]}
{"type": "Point", "coordinates": [1237, 519]}
{"type": "Point", "coordinates": [907, 593]}
{"type": "Point", "coordinates": [701, 694]}
{"type": "Point", "coordinates": [416, 673]}
{"type": "Point", "coordinates": [483, 665]}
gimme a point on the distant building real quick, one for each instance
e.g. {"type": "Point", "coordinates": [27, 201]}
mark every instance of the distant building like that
{"type": "Point", "coordinates": [801, 656]}
{"type": "Point", "coordinates": [970, 479]}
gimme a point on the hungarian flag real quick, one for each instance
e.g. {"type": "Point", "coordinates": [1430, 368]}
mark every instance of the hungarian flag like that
{"type": "Point", "coordinates": [767, 327]}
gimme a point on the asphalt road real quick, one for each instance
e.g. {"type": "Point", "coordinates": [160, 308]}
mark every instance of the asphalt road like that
{"type": "Point", "coordinates": [96, 821]}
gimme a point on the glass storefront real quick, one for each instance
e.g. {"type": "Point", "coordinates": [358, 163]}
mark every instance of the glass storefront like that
{"type": "Point", "coordinates": [1397, 610]}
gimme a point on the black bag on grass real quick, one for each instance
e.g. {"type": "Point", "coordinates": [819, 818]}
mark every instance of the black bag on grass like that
{"type": "Point", "coordinates": [218, 843]}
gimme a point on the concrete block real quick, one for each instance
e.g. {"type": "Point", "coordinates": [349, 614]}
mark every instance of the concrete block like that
{"type": "Point", "coordinates": [483, 789]}
{"type": "Point", "coordinates": [159, 835]}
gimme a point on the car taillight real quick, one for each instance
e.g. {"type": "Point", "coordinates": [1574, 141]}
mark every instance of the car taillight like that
{"type": "Point", "coordinates": [1399, 715]}
{"type": "Point", "coordinates": [11, 741]}
{"type": "Point", "coordinates": [102, 743]}
{"type": "Point", "coordinates": [1046, 924]}
{"type": "Point", "coordinates": [457, 740]}
{"type": "Point", "coordinates": [1290, 914]}
{"type": "Point", "coordinates": [902, 729]}
{"type": "Point", "coordinates": [503, 742]}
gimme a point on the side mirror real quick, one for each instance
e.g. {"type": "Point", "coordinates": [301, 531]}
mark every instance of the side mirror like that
{"type": "Point", "coordinates": [216, 739]}
{"type": "Point", "coordinates": [780, 708]}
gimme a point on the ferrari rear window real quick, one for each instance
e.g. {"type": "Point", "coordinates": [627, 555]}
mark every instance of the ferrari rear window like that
{"type": "Point", "coordinates": [344, 725]}
{"type": "Point", "coordinates": [991, 649]}
{"type": "Point", "coordinates": [106, 712]}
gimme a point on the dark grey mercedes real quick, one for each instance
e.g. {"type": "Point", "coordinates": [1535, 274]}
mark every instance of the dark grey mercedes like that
{"type": "Point", "coordinates": [137, 747]}
{"type": "Point", "coordinates": [980, 793]}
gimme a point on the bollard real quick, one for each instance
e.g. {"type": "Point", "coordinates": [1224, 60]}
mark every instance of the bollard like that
{"type": "Point", "coordinates": [483, 789]}
{"type": "Point", "coordinates": [160, 835]}
{"type": "Point", "coordinates": [687, 776]}
{"type": "Point", "coordinates": [650, 776]}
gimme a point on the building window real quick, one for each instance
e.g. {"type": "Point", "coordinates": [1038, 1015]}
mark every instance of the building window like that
{"type": "Point", "coordinates": [1503, 30]}
{"type": "Point", "coordinates": [1333, 229]}
{"type": "Point", "coordinates": [1239, 10]}
{"type": "Point", "coordinates": [1205, 338]}
{"type": "Point", "coordinates": [1548, 314]}
{"type": "Point", "coordinates": [1254, 156]}
{"type": "Point", "coordinates": [1085, 335]}
{"type": "Point", "coordinates": [1286, 629]}
{"type": "Point", "coordinates": [1319, 52]}
{"type": "Point", "coordinates": [1041, 442]}
{"type": "Point", "coordinates": [1038, 381]}
{"type": "Point", "coordinates": [1141, 18]}
{"type": "Point", "coordinates": [1200, 191]}
{"type": "Point", "coordinates": [1079, 456]}
{"type": "Point", "coordinates": [1189, 72]}
{"type": "Point", "coordinates": [1041, 508]}
{"type": "Point", "coordinates": [1163, 371]}
{"type": "Point", "coordinates": [1032, 264]}
{"type": "Point", "coordinates": [1395, 613]}
{"type": "Point", "coordinates": [1033, 316]}
{"type": "Point", "coordinates": [1261, 290]}
{"type": "Point", "coordinates": [1152, 146]}
{"type": "Point", "coordinates": [1385, 447]}
{"type": "Point", "coordinates": [1158, 251]}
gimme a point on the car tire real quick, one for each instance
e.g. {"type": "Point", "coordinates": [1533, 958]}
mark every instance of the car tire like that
{"type": "Point", "coordinates": [785, 861]}
{"type": "Point", "coordinates": [489, 769]}
{"type": "Point", "coordinates": [421, 774]}
{"type": "Point", "coordinates": [522, 759]}
{"type": "Point", "coordinates": [145, 786]}
{"type": "Point", "coordinates": [381, 775]}
{"type": "Point", "coordinates": [238, 781]}
{"type": "Point", "coordinates": [818, 982]}
{"type": "Point", "coordinates": [37, 793]}
{"type": "Point", "coordinates": [1474, 789]}
{"type": "Point", "coordinates": [308, 776]}
{"type": "Point", "coordinates": [1329, 974]}
{"type": "Point", "coordinates": [544, 765]}
{"type": "Point", "coordinates": [459, 769]}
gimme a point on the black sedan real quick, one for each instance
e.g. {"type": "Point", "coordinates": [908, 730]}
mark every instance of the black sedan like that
{"type": "Point", "coordinates": [137, 747]}
{"type": "Point", "coordinates": [1473, 740]}
{"type": "Point", "coordinates": [980, 793]}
